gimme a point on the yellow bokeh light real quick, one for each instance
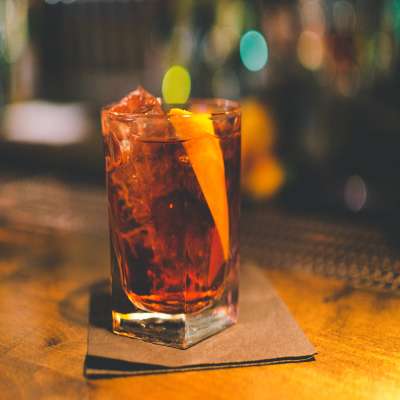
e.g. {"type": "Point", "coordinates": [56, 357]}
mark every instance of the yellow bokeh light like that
{"type": "Point", "coordinates": [265, 178]}
{"type": "Point", "coordinates": [310, 50]}
{"type": "Point", "coordinates": [176, 85]}
{"type": "Point", "coordinates": [262, 173]}
{"type": "Point", "coordinates": [258, 129]}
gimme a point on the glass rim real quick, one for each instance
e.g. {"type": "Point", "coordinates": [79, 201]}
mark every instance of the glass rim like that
{"type": "Point", "coordinates": [225, 108]}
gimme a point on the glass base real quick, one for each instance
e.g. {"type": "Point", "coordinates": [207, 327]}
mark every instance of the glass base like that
{"type": "Point", "coordinates": [175, 330]}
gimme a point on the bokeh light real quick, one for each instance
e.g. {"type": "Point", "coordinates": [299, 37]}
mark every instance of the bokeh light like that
{"type": "Point", "coordinates": [13, 29]}
{"type": "Point", "coordinates": [262, 173]}
{"type": "Point", "coordinates": [219, 44]}
{"type": "Point", "coordinates": [344, 16]}
{"type": "Point", "coordinates": [385, 56]}
{"type": "Point", "coordinates": [310, 50]}
{"type": "Point", "coordinates": [181, 44]}
{"type": "Point", "coordinates": [223, 37]}
{"type": "Point", "coordinates": [395, 12]}
{"type": "Point", "coordinates": [36, 121]}
{"type": "Point", "coordinates": [176, 85]}
{"type": "Point", "coordinates": [355, 193]}
{"type": "Point", "coordinates": [312, 15]}
{"type": "Point", "coordinates": [253, 50]}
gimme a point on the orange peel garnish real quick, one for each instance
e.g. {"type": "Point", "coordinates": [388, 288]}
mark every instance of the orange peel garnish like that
{"type": "Point", "coordinates": [205, 155]}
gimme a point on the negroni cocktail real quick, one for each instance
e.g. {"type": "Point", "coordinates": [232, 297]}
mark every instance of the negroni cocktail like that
{"type": "Point", "coordinates": [173, 182]}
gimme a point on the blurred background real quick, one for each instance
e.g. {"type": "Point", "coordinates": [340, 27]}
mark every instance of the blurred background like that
{"type": "Point", "coordinates": [319, 84]}
{"type": "Point", "coordinates": [318, 79]}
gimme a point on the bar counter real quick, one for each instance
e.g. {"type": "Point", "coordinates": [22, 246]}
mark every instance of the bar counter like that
{"type": "Point", "coordinates": [46, 271]}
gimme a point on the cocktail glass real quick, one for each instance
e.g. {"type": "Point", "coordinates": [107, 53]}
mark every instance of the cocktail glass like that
{"type": "Point", "coordinates": [173, 183]}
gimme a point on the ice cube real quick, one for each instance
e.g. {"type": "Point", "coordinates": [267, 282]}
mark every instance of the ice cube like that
{"type": "Point", "coordinates": [150, 122]}
{"type": "Point", "coordinates": [139, 101]}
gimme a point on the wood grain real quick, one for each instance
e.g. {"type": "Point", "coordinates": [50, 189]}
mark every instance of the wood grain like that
{"type": "Point", "coordinates": [44, 283]}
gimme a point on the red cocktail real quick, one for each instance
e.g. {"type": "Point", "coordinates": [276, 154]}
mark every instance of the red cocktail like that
{"type": "Point", "coordinates": [173, 181]}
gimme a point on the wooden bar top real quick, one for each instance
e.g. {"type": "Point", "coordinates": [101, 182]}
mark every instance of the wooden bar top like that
{"type": "Point", "coordinates": [44, 282]}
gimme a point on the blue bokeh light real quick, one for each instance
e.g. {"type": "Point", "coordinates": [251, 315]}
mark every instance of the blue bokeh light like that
{"type": "Point", "coordinates": [253, 50]}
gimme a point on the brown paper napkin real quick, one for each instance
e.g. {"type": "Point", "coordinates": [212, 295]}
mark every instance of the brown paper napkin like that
{"type": "Point", "coordinates": [265, 334]}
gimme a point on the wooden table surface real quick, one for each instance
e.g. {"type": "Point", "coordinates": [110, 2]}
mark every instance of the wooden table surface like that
{"type": "Point", "coordinates": [44, 281]}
